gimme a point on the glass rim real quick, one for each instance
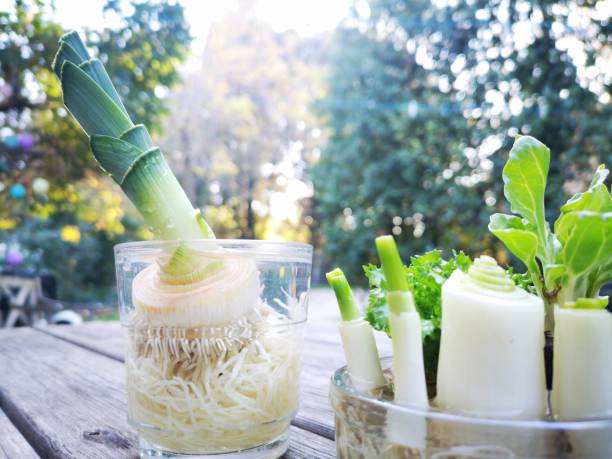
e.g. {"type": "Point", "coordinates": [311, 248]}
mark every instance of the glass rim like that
{"type": "Point", "coordinates": [294, 250]}
{"type": "Point", "coordinates": [340, 386]}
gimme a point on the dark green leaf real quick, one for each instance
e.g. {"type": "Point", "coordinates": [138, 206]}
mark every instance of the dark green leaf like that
{"type": "Point", "coordinates": [96, 70]}
{"type": "Point", "coordinates": [95, 111]}
{"type": "Point", "coordinates": [65, 53]}
{"type": "Point", "coordinates": [74, 40]}
{"type": "Point", "coordinates": [138, 136]}
{"type": "Point", "coordinates": [114, 155]}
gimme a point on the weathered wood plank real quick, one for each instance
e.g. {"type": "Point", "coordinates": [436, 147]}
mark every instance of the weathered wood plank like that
{"type": "Point", "coordinates": [65, 394]}
{"type": "Point", "coordinates": [57, 394]}
{"type": "Point", "coordinates": [12, 443]}
{"type": "Point", "coordinates": [322, 356]}
{"type": "Point", "coordinates": [307, 445]}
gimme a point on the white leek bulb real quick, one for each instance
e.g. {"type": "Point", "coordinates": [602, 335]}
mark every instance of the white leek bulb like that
{"type": "Point", "coordinates": [582, 367]}
{"type": "Point", "coordinates": [491, 359]}
{"type": "Point", "coordinates": [191, 290]}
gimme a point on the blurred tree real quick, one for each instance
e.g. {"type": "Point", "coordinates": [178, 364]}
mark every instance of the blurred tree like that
{"type": "Point", "coordinates": [425, 100]}
{"type": "Point", "coordinates": [141, 55]}
{"type": "Point", "coordinates": [48, 180]}
{"type": "Point", "coordinates": [241, 126]}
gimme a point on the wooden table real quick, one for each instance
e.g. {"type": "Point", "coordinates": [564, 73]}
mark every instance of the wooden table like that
{"type": "Point", "coordinates": [62, 393]}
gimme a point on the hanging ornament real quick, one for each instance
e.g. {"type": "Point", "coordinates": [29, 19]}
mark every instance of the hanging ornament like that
{"type": "Point", "coordinates": [13, 258]}
{"type": "Point", "coordinates": [26, 141]}
{"type": "Point", "coordinates": [6, 90]}
{"type": "Point", "coordinates": [18, 191]}
{"type": "Point", "coordinates": [40, 186]}
{"type": "Point", "coordinates": [11, 141]}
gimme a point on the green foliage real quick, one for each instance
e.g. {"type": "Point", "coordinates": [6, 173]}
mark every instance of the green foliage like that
{"type": "Point", "coordinates": [425, 275]}
{"type": "Point", "coordinates": [576, 261]}
{"type": "Point", "coordinates": [424, 98]}
{"type": "Point", "coordinates": [241, 125]}
{"type": "Point", "coordinates": [151, 39]}
{"type": "Point", "coordinates": [522, 280]}
{"type": "Point", "coordinates": [143, 55]}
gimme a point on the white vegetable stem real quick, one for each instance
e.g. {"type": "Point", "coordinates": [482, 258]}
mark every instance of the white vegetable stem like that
{"type": "Point", "coordinates": [361, 354]}
{"type": "Point", "coordinates": [408, 370]}
{"type": "Point", "coordinates": [357, 337]}
{"type": "Point", "coordinates": [582, 366]}
{"type": "Point", "coordinates": [491, 351]}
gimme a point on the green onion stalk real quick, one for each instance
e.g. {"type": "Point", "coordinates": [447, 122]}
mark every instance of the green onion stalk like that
{"type": "Point", "coordinates": [357, 336]}
{"type": "Point", "coordinates": [405, 323]}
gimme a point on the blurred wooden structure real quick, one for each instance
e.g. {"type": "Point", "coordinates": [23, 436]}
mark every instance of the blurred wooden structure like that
{"type": "Point", "coordinates": [23, 294]}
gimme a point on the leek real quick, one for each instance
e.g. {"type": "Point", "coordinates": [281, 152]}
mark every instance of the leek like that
{"type": "Point", "coordinates": [357, 337]}
{"type": "Point", "coordinates": [201, 373]}
{"type": "Point", "coordinates": [405, 324]}
{"type": "Point", "coordinates": [123, 149]}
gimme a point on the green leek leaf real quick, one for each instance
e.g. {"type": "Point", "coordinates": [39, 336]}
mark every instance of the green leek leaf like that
{"type": "Point", "coordinates": [138, 136]}
{"type": "Point", "coordinates": [96, 70]}
{"type": "Point", "coordinates": [65, 53]}
{"type": "Point", "coordinates": [161, 200]}
{"type": "Point", "coordinates": [74, 40]}
{"type": "Point", "coordinates": [95, 110]}
{"type": "Point", "coordinates": [114, 155]}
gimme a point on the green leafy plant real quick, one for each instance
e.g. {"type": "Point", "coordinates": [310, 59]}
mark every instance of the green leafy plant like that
{"type": "Point", "coordinates": [425, 275]}
{"type": "Point", "coordinates": [569, 266]}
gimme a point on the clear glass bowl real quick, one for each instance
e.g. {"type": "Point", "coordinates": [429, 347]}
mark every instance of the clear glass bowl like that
{"type": "Point", "coordinates": [371, 425]}
{"type": "Point", "coordinates": [213, 364]}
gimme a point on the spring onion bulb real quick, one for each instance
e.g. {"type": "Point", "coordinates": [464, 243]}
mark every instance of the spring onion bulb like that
{"type": "Point", "coordinates": [408, 370]}
{"type": "Point", "coordinates": [357, 337]}
{"type": "Point", "coordinates": [491, 360]}
{"type": "Point", "coordinates": [582, 377]}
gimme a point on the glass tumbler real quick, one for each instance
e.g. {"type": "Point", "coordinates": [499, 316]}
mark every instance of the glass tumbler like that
{"type": "Point", "coordinates": [214, 344]}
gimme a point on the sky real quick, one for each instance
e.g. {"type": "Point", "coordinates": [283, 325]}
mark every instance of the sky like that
{"type": "Point", "coordinates": [305, 17]}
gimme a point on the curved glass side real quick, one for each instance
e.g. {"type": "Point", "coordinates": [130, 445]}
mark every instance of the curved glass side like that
{"type": "Point", "coordinates": [372, 425]}
{"type": "Point", "coordinates": [214, 343]}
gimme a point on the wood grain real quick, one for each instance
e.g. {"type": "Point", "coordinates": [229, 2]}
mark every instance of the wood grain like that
{"type": "Point", "coordinates": [59, 395]}
{"type": "Point", "coordinates": [69, 400]}
{"type": "Point", "coordinates": [12, 443]}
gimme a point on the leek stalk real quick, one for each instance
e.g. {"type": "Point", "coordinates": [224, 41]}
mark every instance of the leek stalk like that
{"type": "Point", "coordinates": [185, 288]}
{"type": "Point", "coordinates": [123, 149]}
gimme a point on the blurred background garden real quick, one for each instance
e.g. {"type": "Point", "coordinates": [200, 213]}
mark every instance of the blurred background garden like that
{"type": "Point", "coordinates": [322, 122]}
